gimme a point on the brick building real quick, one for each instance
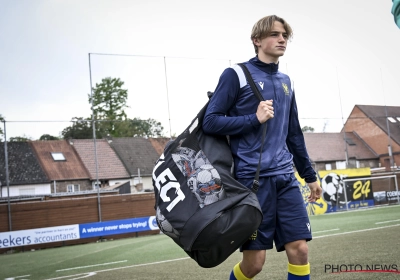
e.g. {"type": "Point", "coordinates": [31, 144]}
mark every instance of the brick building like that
{"type": "Point", "coordinates": [379, 129]}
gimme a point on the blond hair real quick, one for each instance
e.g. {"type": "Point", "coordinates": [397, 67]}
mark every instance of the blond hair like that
{"type": "Point", "coordinates": [263, 27]}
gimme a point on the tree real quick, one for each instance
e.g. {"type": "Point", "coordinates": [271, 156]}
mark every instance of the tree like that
{"type": "Point", "coordinates": [307, 129]}
{"type": "Point", "coordinates": [20, 139]}
{"type": "Point", "coordinates": [48, 137]}
{"type": "Point", "coordinates": [138, 128]}
{"type": "Point", "coordinates": [149, 128]}
{"type": "Point", "coordinates": [109, 102]}
{"type": "Point", "coordinates": [80, 129]}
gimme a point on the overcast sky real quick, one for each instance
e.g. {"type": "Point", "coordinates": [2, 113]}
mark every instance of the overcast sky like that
{"type": "Point", "coordinates": [170, 53]}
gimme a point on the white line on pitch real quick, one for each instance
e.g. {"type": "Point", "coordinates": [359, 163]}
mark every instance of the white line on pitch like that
{"type": "Point", "coordinates": [78, 267]}
{"type": "Point", "coordinates": [90, 274]}
{"type": "Point", "coordinates": [79, 276]}
{"type": "Point", "coordinates": [325, 230]}
{"type": "Point", "coordinates": [15, 277]}
{"type": "Point", "coordinates": [143, 264]}
{"type": "Point", "coordinates": [123, 267]}
{"type": "Point", "coordinates": [361, 230]}
{"type": "Point", "coordinates": [387, 222]}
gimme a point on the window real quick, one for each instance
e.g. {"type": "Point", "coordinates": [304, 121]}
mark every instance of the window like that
{"type": "Point", "coordinates": [340, 165]}
{"type": "Point", "coordinates": [58, 156]}
{"type": "Point", "coordinates": [392, 120]}
{"type": "Point", "coordinates": [73, 188]}
{"type": "Point", "coordinates": [96, 185]}
{"type": "Point", "coordinates": [328, 166]}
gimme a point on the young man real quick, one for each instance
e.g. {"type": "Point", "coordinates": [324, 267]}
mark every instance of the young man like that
{"type": "Point", "coordinates": [235, 111]}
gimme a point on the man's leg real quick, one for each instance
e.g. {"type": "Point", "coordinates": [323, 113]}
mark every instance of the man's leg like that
{"type": "Point", "coordinates": [293, 227]}
{"type": "Point", "coordinates": [298, 267]}
{"type": "Point", "coordinates": [254, 250]}
{"type": "Point", "coordinates": [250, 266]}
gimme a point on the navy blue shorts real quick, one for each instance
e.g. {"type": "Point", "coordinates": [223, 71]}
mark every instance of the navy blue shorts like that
{"type": "Point", "coordinates": [285, 216]}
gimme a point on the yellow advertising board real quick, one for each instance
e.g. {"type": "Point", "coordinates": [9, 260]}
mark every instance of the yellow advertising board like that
{"type": "Point", "coordinates": [337, 193]}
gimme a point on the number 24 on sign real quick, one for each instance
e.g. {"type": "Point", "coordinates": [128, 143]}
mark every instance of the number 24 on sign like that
{"type": "Point", "coordinates": [361, 189]}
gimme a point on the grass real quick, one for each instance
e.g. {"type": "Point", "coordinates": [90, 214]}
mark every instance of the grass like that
{"type": "Point", "coordinates": [363, 237]}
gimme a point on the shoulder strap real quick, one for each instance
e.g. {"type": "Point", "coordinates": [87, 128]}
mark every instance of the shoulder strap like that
{"type": "Point", "coordinates": [257, 93]}
{"type": "Point", "coordinates": [250, 80]}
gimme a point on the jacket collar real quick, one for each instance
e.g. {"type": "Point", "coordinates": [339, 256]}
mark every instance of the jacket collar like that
{"type": "Point", "coordinates": [270, 68]}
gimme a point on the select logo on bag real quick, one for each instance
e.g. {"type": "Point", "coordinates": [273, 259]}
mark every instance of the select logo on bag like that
{"type": "Point", "coordinates": [202, 178]}
{"type": "Point", "coordinates": [166, 181]}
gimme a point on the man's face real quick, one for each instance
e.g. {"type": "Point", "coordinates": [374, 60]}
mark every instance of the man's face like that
{"type": "Point", "coordinates": [274, 45]}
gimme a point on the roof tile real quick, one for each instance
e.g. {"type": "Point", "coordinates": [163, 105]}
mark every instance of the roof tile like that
{"type": "Point", "coordinates": [332, 147]}
{"type": "Point", "coordinates": [136, 153]}
{"type": "Point", "coordinates": [109, 165]}
{"type": "Point", "coordinates": [23, 165]}
{"type": "Point", "coordinates": [70, 169]}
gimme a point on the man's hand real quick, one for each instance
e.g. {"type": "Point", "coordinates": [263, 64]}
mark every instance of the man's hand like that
{"type": "Point", "coordinates": [315, 191]}
{"type": "Point", "coordinates": [265, 111]}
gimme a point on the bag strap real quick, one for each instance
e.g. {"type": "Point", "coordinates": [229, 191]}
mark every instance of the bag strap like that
{"type": "Point", "coordinates": [249, 78]}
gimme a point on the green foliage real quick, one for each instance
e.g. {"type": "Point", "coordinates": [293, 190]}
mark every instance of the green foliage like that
{"type": "Point", "coordinates": [80, 129]}
{"type": "Point", "coordinates": [48, 137]}
{"type": "Point", "coordinates": [138, 128]}
{"type": "Point", "coordinates": [108, 103]}
{"type": "Point", "coordinates": [20, 139]}
{"type": "Point", "coordinates": [307, 129]}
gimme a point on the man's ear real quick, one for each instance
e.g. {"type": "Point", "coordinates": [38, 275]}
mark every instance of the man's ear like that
{"type": "Point", "coordinates": [257, 42]}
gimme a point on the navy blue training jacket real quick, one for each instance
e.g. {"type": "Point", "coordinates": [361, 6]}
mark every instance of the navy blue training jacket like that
{"type": "Point", "coordinates": [232, 111]}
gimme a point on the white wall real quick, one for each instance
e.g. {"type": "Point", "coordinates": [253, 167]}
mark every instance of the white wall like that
{"type": "Point", "coordinates": [147, 182]}
{"type": "Point", "coordinates": [26, 190]}
{"type": "Point", "coordinates": [113, 182]}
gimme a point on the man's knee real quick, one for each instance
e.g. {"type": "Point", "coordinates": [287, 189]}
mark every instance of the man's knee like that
{"type": "Point", "coordinates": [297, 252]}
{"type": "Point", "coordinates": [251, 269]}
{"type": "Point", "coordinates": [252, 263]}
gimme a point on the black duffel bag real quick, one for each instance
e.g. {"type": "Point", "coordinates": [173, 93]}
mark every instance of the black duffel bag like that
{"type": "Point", "coordinates": [198, 203]}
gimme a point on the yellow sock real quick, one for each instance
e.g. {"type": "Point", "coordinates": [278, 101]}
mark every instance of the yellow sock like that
{"type": "Point", "coordinates": [238, 274]}
{"type": "Point", "coordinates": [298, 271]}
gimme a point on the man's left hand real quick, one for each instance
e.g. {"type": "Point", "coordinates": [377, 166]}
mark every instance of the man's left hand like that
{"type": "Point", "coordinates": [315, 190]}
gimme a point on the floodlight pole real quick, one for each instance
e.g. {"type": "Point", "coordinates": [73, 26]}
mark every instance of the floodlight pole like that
{"type": "Point", "coordinates": [166, 86]}
{"type": "Point", "coordinates": [7, 176]}
{"type": "Point", "coordinates": [94, 143]}
{"type": "Point", "coordinates": [346, 153]}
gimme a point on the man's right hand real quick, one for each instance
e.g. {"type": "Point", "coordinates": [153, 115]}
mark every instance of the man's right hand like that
{"type": "Point", "coordinates": [265, 111]}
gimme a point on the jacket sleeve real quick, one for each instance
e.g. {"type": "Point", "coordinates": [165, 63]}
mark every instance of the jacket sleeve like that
{"type": "Point", "coordinates": [297, 147]}
{"type": "Point", "coordinates": [217, 119]}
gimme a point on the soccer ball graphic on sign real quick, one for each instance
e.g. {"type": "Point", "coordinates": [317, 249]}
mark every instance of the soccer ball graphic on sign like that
{"type": "Point", "coordinates": [333, 191]}
{"type": "Point", "coordinates": [165, 226]}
